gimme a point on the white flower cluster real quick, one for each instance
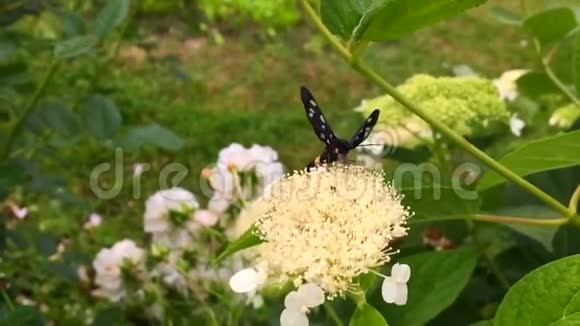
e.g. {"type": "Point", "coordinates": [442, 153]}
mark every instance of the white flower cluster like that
{"type": "Point", "coordinates": [109, 265]}
{"type": "Point", "coordinates": [236, 162]}
{"type": "Point", "coordinates": [322, 229]}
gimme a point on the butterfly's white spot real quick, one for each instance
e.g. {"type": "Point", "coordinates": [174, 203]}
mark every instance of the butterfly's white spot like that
{"type": "Point", "coordinates": [322, 119]}
{"type": "Point", "coordinates": [323, 126]}
{"type": "Point", "coordinates": [310, 114]}
{"type": "Point", "coordinates": [312, 103]}
{"type": "Point", "coordinates": [328, 141]}
{"type": "Point", "coordinates": [322, 135]}
{"type": "Point", "coordinates": [369, 119]}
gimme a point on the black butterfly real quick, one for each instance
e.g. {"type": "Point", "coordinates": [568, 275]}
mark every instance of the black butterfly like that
{"type": "Point", "coordinates": [335, 148]}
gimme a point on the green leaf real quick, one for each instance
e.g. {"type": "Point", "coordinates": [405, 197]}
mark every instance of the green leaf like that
{"type": "Point", "coordinates": [437, 279]}
{"type": "Point", "coordinates": [57, 116]}
{"type": "Point", "coordinates": [440, 203]}
{"type": "Point", "coordinates": [246, 240]}
{"type": "Point", "coordinates": [536, 84]}
{"type": "Point", "coordinates": [540, 155]}
{"type": "Point", "coordinates": [153, 134]}
{"type": "Point", "coordinates": [111, 16]}
{"type": "Point", "coordinates": [343, 17]}
{"type": "Point", "coordinates": [367, 315]}
{"type": "Point", "coordinates": [73, 47]}
{"type": "Point", "coordinates": [387, 20]}
{"type": "Point", "coordinates": [566, 242]}
{"type": "Point", "coordinates": [576, 62]}
{"type": "Point", "coordinates": [551, 25]}
{"type": "Point", "coordinates": [109, 316]}
{"type": "Point", "coordinates": [568, 320]}
{"type": "Point", "coordinates": [540, 233]}
{"type": "Point", "coordinates": [549, 294]}
{"type": "Point", "coordinates": [505, 16]}
{"type": "Point", "coordinates": [22, 316]}
{"type": "Point", "coordinates": [483, 323]}
{"type": "Point", "coordinates": [102, 116]}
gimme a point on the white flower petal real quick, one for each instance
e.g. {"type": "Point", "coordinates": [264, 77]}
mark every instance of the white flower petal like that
{"type": "Point", "coordinates": [401, 273]}
{"type": "Point", "coordinates": [291, 317]}
{"type": "Point", "coordinates": [293, 301]}
{"type": "Point", "coordinates": [244, 281]}
{"type": "Point", "coordinates": [389, 290]}
{"type": "Point", "coordinates": [516, 125]}
{"type": "Point", "coordinates": [206, 217]}
{"type": "Point", "coordinates": [311, 295]}
{"type": "Point", "coordinates": [401, 294]}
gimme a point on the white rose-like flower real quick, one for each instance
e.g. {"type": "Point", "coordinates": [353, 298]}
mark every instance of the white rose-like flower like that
{"type": "Point", "coordinates": [298, 303]}
{"type": "Point", "coordinates": [235, 157]}
{"type": "Point", "coordinates": [394, 288]}
{"type": "Point", "coordinates": [159, 206]}
{"type": "Point", "coordinates": [206, 217]}
{"type": "Point", "coordinates": [264, 154]}
{"type": "Point", "coordinates": [108, 266]}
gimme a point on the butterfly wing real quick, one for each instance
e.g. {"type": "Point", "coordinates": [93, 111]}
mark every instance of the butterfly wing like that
{"type": "Point", "coordinates": [364, 131]}
{"type": "Point", "coordinates": [317, 120]}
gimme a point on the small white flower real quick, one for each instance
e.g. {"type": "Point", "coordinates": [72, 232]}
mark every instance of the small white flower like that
{"type": "Point", "coordinates": [244, 281]}
{"type": "Point", "coordinates": [235, 157]}
{"type": "Point", "coordinates": [218, 204]}
{"type": "Point", "coordinates": [17, 211]}
{"type": "Point", "coordinates": [139, 168]}
{"type": "Point", "coordinates": [159, 206]}
{"type": "Point", "coordinates": [93, 221]}
{"type": "Point", "coordinates": [506, 83]}
{"type": "Point", "coordinates": [298, 303]}
{"type": "Point", "coordinates": [206, 217]}
{"type": "Point", "coordinates": [108, 268]}
{"type": "Point", "coordinates": [394, 288]}
{"type": "Point", "coordinates": [517, 125]}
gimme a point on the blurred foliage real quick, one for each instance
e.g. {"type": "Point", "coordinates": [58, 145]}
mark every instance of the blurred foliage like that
{"type": "Point", "coordinates": [177, 80]}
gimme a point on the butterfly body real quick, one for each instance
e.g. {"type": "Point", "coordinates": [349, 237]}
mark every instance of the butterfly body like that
{"type": "Point", "coordinates": [336, 149]}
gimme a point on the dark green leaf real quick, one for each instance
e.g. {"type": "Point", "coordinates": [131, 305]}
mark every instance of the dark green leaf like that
{"type": "Point", "coordinates": [566, 242]}
{"type": "Point", "coordinates": [153, 134]}
{"type": "Point", "coordinates": [111, 16]}
{"type": "Point", "coordinates": [109, 316]}
{"type": "Point", "coordinates": [536, 84]}
{"type": "Point", "coordinates": [343, 17]}
{"type": "Point", "coordinates": [483, 323]}
{"type": "Point", "coordinates": [102, 116]}
{"type": "Point", "coordinates": [540, 233]}
{"type": "Point", "coordinates": [440, 203]}
{"type": "Point", "coordinates": [506, 16]}
{"type": "Point", "coordinates": [14, 74]}
{"type": "Point", "coordinates": [73, 47]}
{"type": "Point", "coordinates": [22, 316]}
{"type": "Point", "coordinates": [551, 25]}
{"type": "Point", "coordinates": [540, 155]}
{"type": "Point", "coordinates": [56, 116]}
{"type": "Point", "coordinates": [387, 20]}
{"type": "Point", "coordinates": [366, 315]}
{"type": "Point", "coordinates": [576, 62]}
{"type": "Point", "coordinates": [397, 18]}
{"type": "Point", "coordinates": [546, 295]}
{"type": "Point", "coordinates": [437, 279]}
{"type": "Point", "coordinates": [246, 240]}
{"type": "Point", "coordinates": [72, 24]}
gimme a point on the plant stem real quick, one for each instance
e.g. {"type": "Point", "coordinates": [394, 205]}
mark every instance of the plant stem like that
{"type": "Point", "coordinates": [332, 314]}
{"type": "Point", "coordinates": [7, 300]}
{"type": "Point", "coordinates": [520, 220]}
{"type": "Point", "coordinates": [545, 60]}
{"type": "Point", "coordinates": [436, 124]}
{"type": "Point", "coordinates": [28, 109]}
{"type": "Point", "coordinates": [574, 201]}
